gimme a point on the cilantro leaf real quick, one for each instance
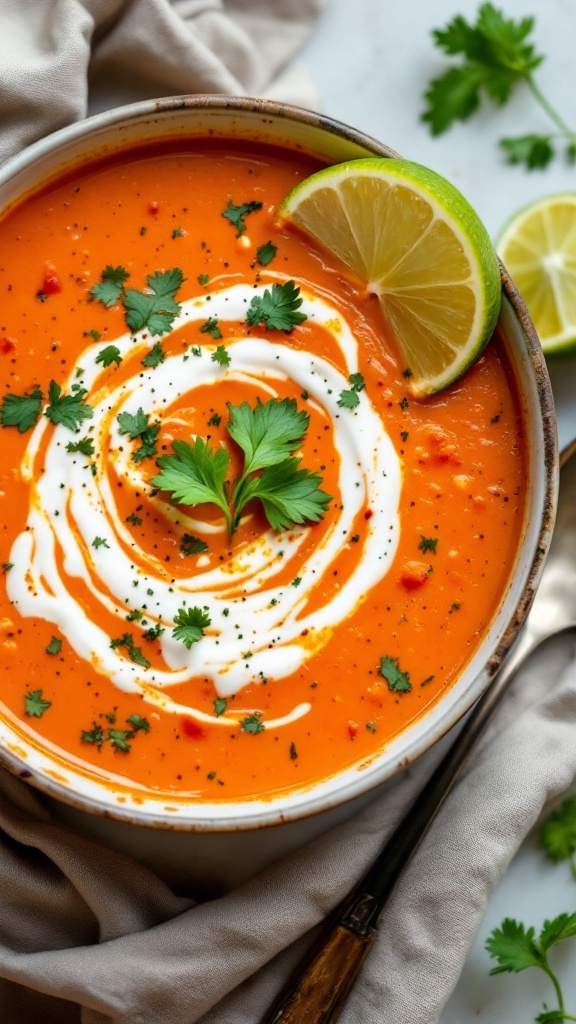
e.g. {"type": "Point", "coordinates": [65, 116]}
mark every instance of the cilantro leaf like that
{"type": "Point", "coordinates": [237, 214]}
{"type": "Point", "coordinates": [195, 474]}
{"type": "Point", "coordinates": [513, 946]}
{"type": "Point", "coordinates": [220, 706]}
{"type": "Point", "coordinates": [252, 723]}
{"type": "Point", "coordinates": [268, 432]}
{"type": "Point", "coordinates": [558, 833]}
{"type": "Point", "coordinates": [190, 624]}
{"type": "Point", "coordinates": [192, 545]}
{"type": "Point", "coordinates": [21, 411]}
{"type": "Point", "coordinates": [137, 426]}
{"type": "Point", "coordinates": [138, 723]}
{"type": "Point", "coordinates": [288, 494]}
{"type": "Point", "coordinates": [348, 400]}
{"type": "Point", "coordinates": [85, 446]}
{"type": "Point", "coordinates": [109, 354]}
{"type": "Point", "coordinates": [134, 653]}
{"type": "Point", "coordinates": [69, 410]}
{"type": "Point", "coordinates": [357, 381]}
{"type": "Point", "coordinates": [221, 356]}
{"type": "Point", "coordinates": [155, 311]}
{"type": "Point", "coordinates": [55, 646]}
{"type": "Point", "coordinates": [397, 680]}
{"type": "Point", "coordinates": [266, 253]}
{"type": "Point", "coordinates": [111, 285]}
{"type": "Point", "coordinates": [133, 425]}
{"type": "Point", "coordinates": [119, 739]}
{"type": "Point", "coordinates": [535, 151]}
{"type": "Point", "coordinates": [428, 544]}
{"type": "Point", "coordinates": [154, 357]}
{"type": "Point", "coordinates": [210, 326]}
{"type": "Point", "coordinates": [277, 308]}
{"type": "Point", "coordinates": [95, 735]}
{"type": "Point", "coordinates": [561, 927]}
{"type": "Point", "coordinates": [100, 542]}
{"type": "Point", "coordinates": [34, 705]}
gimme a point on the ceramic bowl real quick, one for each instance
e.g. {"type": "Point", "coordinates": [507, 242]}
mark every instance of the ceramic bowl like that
{"type": "Point", "coordinates": [169, 833]}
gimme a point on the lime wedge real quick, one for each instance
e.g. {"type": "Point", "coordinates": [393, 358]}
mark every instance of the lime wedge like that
{"type": "Point", "coordinates": [419, 246]}
{"type": "Point", "coordinates": [538, 247]}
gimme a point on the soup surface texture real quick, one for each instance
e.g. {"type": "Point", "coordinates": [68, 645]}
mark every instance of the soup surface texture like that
{"type": "Point", "coordinates": [153, 644]}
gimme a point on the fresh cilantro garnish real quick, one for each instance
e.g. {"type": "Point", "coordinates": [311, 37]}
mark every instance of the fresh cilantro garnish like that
{"type": "Point", "coordinates": [111, 286]}
{"type": "Point", "coordinates": [266, 253]}
{"type": "Point", "coordinates": [267, 435]}
{"type": "Point", "coordinates": [155, 311]}
{"type": "Point", "coordinates": [516, 948]}
{"type": "Point", "coordinates": [138, 723]}
{"type": "Point", "coordinates": [558, 833]}
{"type": "Point", "coordinates": [397, 680]}
{"type": "Point", "coordinates": [134, 519]}
{"type": "Point", "coordinates": [21, 411]}
{"type": "Point", "coordinates": [190, 624]}
{"type": "Point", "coordinates": [85, 446]}
{"type": "Point", "coordinates": [221, 356]}
{"type": "Point", "coordinates": [220, 706]}
{"type": "Point", "coordinates": [95, 335]}
{"type": "Point", "coordinates": [277, 308]}
{"type": "Point", "coordinates": [215, 420]}
{"type": "Point", "coordinates": [191, 545]}
{"type": "Point", "coordinates": [136, 426]}
{"type": "Point", "coordinates": [252, 723]}
{"type": "Point", "coordinates": [119, 739]}
{"type": "Point", "coordinates": [203, 279]}
{"type": "Point", "coordinates": [177, 233]}
{"type": "Point", "coordinates": [237, 214]}
{"type": "Point", "coordinates": [154, 357]}
{"type": "Point", "coordinates": [210, 326]}
{"type": "Point", "coordinates": [135, 615]}
{"type": "Point", "coordinates": [154, 632]}
{"type": "Point", "coordinates": [34, 705]}
{"type": "Point", "coordinates": [100, 542]}
{"type": "Point", "coordinates": [428, 543]}
{"type": "Point", "coordinates": [134, 653]}
{"type": "Point", "coordinates": [495, 57]}
{"type": "Point", "coordinates": [55, 646]}
{"type": "Point", "coordinates": [195, 474]}
{"type": "Point", "coordinates": [69, 410]}
{"type": "Point", "coordinates": [7, 566]}
{"type": "Point", "coordinates": [348, 400]}
{"type": "Point", "coordinates": [109, 354]}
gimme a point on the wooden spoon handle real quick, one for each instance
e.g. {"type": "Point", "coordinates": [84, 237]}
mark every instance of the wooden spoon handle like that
{"type": "Point", "coordinates": [319, 989]}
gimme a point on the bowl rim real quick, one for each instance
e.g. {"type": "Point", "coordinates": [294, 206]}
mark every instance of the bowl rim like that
{"type": "Point", "coordinates": [247, 815]}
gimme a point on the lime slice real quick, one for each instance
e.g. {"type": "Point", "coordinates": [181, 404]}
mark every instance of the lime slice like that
{"type": "Point", "coordinates": [538, 247]}
{"type": "Point", "coordinates": [419, 246]}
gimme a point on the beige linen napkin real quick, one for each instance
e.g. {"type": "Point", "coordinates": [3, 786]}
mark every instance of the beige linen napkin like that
{"type": "Point", "coordinates": [81, 924]}
{"type": "Point", "coordinates": [56, 55]}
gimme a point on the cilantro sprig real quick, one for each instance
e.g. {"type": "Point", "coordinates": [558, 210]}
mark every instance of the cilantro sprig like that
{"type": "Point", "coordinates": [136, 425]}
{"type": "Point", "coordinates": [558, 833]}
{"type": "Point", "coordinates": [268, 435]}
{"type": "Point", "coordinates": [495, 56]}
{"type": "Point", "coordinates": [277, 308]}
{"type": "Point", "coordinates": [517, 948]}
{"type": "Point", "coordinates": [154, 309]}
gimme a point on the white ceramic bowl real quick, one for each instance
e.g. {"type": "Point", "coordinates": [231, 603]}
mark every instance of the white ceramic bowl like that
{"type": "Point", "coordinates": [141, 826]}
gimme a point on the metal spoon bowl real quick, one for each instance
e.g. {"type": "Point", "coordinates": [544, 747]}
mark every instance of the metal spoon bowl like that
{"type": "Point", "coordinates": [318, 989]}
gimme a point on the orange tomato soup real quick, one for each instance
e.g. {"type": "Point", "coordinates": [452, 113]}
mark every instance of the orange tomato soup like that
{"type": "Point", "coordinates": [320, 641]}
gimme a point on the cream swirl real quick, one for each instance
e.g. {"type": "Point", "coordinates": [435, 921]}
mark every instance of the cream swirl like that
{"type": "Point", "coordinates": [258, 630]}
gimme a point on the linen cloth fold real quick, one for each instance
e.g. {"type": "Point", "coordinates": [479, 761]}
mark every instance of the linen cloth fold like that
{"type": "Point", "coordinates": [89, 936]}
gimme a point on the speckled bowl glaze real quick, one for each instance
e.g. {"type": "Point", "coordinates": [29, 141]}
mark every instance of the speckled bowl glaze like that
{"type": "Point", "coordinates": [187, 840]}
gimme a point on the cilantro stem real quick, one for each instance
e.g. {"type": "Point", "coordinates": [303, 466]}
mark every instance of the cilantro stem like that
{"type": "Point", "coordinates": [548, 970]}
{"type": "Point", "coordinates": [548, 108]}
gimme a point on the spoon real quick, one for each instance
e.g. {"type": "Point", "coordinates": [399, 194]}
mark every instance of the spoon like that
{"type": "Point", "coordinates": [318, 988]}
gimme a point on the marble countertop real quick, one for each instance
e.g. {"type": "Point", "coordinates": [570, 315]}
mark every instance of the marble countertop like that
{"type": "Point", "coordinates": [371, 62]}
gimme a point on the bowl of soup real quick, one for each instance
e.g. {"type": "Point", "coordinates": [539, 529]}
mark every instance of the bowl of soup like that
{"type": "Point", "coordinates": [163, 668]}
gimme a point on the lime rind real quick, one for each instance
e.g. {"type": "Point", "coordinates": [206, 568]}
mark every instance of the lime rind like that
{"type": "Point", "coordinates": [433, 230]}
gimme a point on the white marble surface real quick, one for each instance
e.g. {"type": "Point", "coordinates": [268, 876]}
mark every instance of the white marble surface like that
{"type": "Point", "coordinates": [371, 61]}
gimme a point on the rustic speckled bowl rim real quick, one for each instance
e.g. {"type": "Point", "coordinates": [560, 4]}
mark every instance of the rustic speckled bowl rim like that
{"type": "Point", "coordinates": [276, 121]}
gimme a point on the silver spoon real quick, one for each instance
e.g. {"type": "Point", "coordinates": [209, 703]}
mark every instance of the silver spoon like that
{"type": "Point", "coordinates": [321, 983]}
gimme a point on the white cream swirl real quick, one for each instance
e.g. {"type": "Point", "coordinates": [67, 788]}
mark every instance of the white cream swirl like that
{"type": "Point", "coordinates": [258, 630]}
